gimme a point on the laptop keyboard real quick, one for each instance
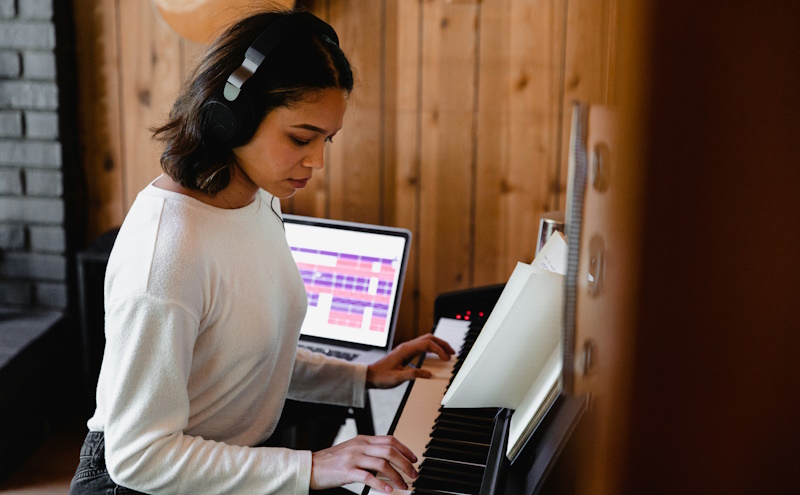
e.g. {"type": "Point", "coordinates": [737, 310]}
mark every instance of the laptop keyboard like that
{"type": "Point", "coordinates": [347, 356]}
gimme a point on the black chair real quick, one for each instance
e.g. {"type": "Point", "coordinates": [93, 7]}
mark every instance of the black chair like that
{"type": "Point", "coordinates": [91, 267]}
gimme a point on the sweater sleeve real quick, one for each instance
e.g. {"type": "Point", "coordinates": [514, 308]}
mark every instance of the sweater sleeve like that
{"type": "Point", "coordinates": [147, 363]}
{"type": "Point", "coordinates": [319, 378]}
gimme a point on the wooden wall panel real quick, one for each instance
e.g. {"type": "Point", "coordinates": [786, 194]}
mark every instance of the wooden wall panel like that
{"type": "Point", "coordinates": [99, 120]}
{"type": "Point", "coordinates": [129, 74]}
{"type": "Point", "coordinates": [521, 69]}
{"type": "Point", "coordinates": [356, 168]}
{"type": "Point", "coordinates": [611, 226]}
{"type": "Point", "coordinates": [402, 146]}
{"type": "Point", "coordinates": [589, 63]}
{"type": "Point", "coordinates": [314, 199]}
{"type": "Point", "coordinates": [190, 54]}
{"type": "Point", "coordinates": [449, 37]}
{"type": "Point", "coordinates": [492, 153]}
{"type": "Point", "coordinates": [150, 75]}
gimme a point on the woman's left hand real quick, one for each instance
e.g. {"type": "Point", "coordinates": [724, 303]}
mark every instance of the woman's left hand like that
{"type": "Point", "coordinates": [392, 371]}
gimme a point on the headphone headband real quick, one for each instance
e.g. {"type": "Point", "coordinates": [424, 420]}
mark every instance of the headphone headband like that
{"type": "Point", "coordinates": [267, 41]}
{"type": "Point", "coordinates": [230, 117]}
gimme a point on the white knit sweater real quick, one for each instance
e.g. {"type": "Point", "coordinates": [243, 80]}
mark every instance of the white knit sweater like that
{"type": "Point", "coordinates": [203, 312]}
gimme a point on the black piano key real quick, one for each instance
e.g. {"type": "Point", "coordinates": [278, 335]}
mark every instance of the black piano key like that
{"type": "Point", "coordinates": [442, 448]}
{"type": "Point", "coordinates": [430, 491]}
{"type": "Point", "coordinates": [465, 416]}
{"type": "Point", "coordinates": [432, 481]}
{"type": "Point", "coordinates": [461, 434]}
{"type": "Point", "coordinates": [487, 413]}
{"type": "Point", "coordinates": [454, 442]}
{"type": "Point", "coordinates": [440, 474]}
{"type": "Point", "coordinates": [466, 423]}
{"type": "Point", "coordinates": [471, 415]}
{"type": "Point", "coordinates": [469, 429]}
{"type": "Point", "coordinates": [456, 469]}
{"type": "Point", "coordinates": [459, 446]}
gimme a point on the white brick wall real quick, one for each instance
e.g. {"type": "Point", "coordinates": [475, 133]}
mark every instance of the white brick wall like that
{"type": "Point", "coordinates": [10, 123]}
{"type": "Point", "coordinates": [41, 125]}
{"type": "Point", "coordinates": [10, 65]}
{"type": "Point", "coordinates": [33, 247]}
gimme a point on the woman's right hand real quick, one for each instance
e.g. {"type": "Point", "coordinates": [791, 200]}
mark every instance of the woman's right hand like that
{"type": "Point", "coordinates": [354, 461]}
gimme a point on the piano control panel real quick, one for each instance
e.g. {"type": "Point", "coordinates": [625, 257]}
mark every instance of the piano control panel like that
{"type": "Point", "coordinates": [473, 305]}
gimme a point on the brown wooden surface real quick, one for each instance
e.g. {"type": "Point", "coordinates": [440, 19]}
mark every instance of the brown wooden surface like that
{"type": "Point", "coordinates": [454, 129]}
{"type": "Point", "coordinates": [609, 221]}
{"type": "Point", "coordinates": [356, 168]}
{"type": "Point", "coordinates": [716, 368]}
{"type": "Point", "coordinates": [446, 150]}
{"type": "Point", "coordinates": [521, 68]}
{"type": "Point", "coordinates": [401, 144]}
{"type": "Point", "coordinates": [696, 376]}
{"type": "Point", "coordinates": [314, 200]}
{"type": "Point", "coordinates": [151, 75]}
{"type": "Point", "coordinates": [99, 120]}
{"type": "Point", "coordinates": [589, 63]}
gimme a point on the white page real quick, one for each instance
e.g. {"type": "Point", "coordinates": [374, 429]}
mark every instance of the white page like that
{"type": "Point", "coordinates": [553, 255]}
{"type": "Point", "coordinates": [507, 298]}
{"type": "Point", "coordinates": [530, 411]}
{"type": "Point", "coordinates": [512, 355]}
{"type": "Point", "coordinates": [451, 331]}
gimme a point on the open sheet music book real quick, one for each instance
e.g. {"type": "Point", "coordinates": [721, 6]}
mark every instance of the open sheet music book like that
{"type": "Point", "coordinates": [516, 360]}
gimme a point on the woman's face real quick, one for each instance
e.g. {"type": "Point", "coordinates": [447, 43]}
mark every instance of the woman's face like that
{"type": "Point", "coordinates": [290, 144]}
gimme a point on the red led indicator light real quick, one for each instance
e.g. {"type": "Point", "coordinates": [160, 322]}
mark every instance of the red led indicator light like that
{"type": "Point", "coordinates": [480, 314]}
{"type": "Point", "coordinates": [466, 317]}
{"type": "Point", "coordinates": [458, 317]}
{"type": "Point", "coordinates": [469, 312]}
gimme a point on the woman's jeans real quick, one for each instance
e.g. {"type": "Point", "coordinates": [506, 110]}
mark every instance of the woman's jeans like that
{"type": "Point", "coordinates": [91, 477]}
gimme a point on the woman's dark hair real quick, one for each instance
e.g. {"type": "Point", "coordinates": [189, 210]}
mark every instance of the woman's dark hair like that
{"type": "Point", "coordinates": [298, 67]}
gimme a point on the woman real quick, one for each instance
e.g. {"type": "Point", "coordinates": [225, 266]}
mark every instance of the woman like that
{"type": "Point", "coordinates": [204, 302]}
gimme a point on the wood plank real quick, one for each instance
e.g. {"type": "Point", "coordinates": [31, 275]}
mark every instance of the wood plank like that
{"type": "Point", "coordinates": [492, 154]}
{"type": "Point", "coordinates": [314, 199]}
{"type": "Point", "coordinates": [190, 55]}
{"type": "Point", "coordinates": [356, 168]}
{"type": "Point", "coordinates": [590, 49]}
{"type": "Point", "coordinates": [535, 87]}
{"type": "Point", "coordinates": [99, 119]}
{"type": "Point", "coordinates": [150, 78]}
{"type": "Point", "coordinates": [447, 150]}
{"type": "Point", "coordinates": [518, 130]}
{"type": "Point", "coordinates": [388, 102]}
{"type": "Point", "coordinates": [608, 227]}
{"type": "Point", "coordinates": [402, 143]}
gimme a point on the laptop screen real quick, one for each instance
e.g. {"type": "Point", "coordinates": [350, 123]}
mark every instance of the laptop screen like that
{"type": "Point", "coordinates": [353, 275]}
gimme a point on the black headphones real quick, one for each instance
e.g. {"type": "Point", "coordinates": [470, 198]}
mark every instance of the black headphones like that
{"type": "Point", "coordinates": [230, 118]}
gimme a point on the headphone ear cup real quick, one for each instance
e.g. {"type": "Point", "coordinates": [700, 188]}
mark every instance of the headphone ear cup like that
{"type": "Point", "coordinates": [229, 122]}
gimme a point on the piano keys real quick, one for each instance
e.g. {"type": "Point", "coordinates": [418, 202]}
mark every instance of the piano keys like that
{"type": "Point", "coordinates": [451, 445]}
{"type": "Point", "coordinates": [462, 451]}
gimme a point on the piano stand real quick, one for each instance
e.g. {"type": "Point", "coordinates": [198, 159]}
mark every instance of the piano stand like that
{"type": "Point", "coordinates": [528, 472]}
{"type": "Point", "coordinates": [310, 426]}
{"type": "Point", "coordinates": [363, 417]}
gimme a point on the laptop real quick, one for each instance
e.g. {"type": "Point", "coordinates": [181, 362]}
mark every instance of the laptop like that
{"type": "Point", "coordinates": [353, 273]}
